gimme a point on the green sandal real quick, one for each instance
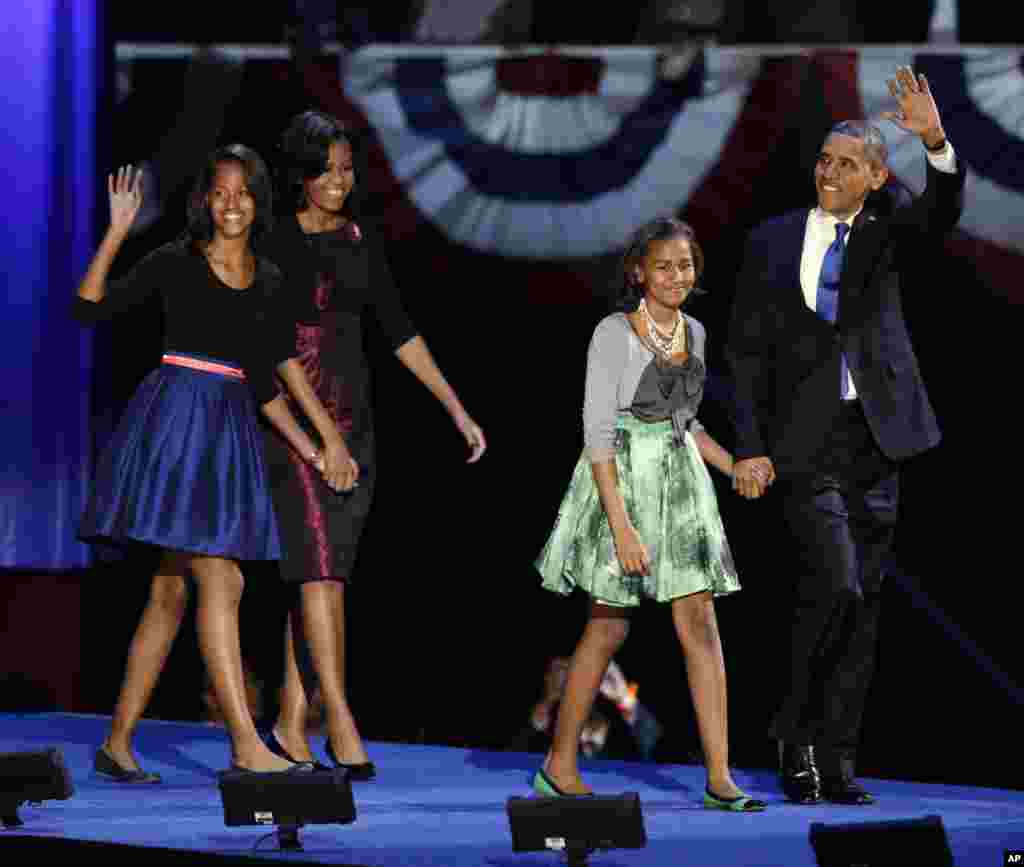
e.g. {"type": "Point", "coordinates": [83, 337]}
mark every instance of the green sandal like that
{"type": "Point", "coordinates": [544, 786]}
{"type": "Point", "coordinates": [740, 804]}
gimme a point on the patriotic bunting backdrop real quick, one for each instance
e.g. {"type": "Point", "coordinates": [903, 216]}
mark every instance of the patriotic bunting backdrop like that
{"type": "Point", "coordinates": [555, 157]}
{"type": "Point", "coordinates": [548, 157]}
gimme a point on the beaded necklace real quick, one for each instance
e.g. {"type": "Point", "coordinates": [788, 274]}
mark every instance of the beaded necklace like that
{"type": "Point", "coordinates": [667, 344]}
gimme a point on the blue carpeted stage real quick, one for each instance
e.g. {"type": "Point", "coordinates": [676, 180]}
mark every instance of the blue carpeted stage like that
{"type": "Point", "coordinates": [442, 806]}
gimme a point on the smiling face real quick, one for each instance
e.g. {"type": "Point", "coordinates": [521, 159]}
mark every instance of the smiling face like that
{"type": "Point", "coordinates": [232, 206]}
{"type": "Point", "coordinates": [327, 192]}
{"type": "Point", "coordinates": [845, 174]}
{"type": "Point", "coordinates": [666, 273]}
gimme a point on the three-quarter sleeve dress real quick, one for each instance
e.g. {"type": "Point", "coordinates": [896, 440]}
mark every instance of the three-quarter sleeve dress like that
{"type": "Point", "coordinates": [332, 281]}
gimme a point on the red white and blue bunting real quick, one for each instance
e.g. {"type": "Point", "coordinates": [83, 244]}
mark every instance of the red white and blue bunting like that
{"type": "Point", "coordinates": [557, 157]}
{"type": "Point", "coordinates": [545, 156]}
{"type": "Point", "coordinates": [552, 156]}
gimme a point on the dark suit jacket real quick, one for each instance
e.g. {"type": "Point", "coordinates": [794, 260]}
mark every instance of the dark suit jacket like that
{"type": "Point", "coordinates": [785, 358]}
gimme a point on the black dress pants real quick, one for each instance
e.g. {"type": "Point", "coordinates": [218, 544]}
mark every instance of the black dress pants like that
{"type": "Point", "coordinates": [841, 520]}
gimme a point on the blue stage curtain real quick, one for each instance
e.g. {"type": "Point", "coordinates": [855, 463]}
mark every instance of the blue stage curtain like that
{"type": "Point", "coordinates": [49, 78]}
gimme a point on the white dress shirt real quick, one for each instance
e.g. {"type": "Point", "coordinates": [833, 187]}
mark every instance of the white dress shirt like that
{"type": "Point", "coordinates": [821, 232]}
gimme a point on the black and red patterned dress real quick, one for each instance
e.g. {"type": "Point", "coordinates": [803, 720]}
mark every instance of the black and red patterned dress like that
{"type": "Point", "coordinates": [332, 280]}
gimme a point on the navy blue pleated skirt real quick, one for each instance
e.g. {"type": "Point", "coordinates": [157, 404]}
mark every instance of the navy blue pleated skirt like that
{"type": "Point", "coordinates": [184, 470]}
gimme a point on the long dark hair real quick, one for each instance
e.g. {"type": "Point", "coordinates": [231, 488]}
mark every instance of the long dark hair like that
{"type": "Point", "coordinates": [658, 229]}
{"type": "Point", "coordinates": [257, 178]}
{"type": "Point", "coordinates": [304, 153]}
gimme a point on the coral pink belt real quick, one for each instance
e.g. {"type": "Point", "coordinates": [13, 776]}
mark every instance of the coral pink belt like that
{"type": "Point", "coordinates": [203, 364]}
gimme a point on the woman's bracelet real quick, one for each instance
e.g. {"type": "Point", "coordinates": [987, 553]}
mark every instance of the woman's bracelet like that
{"type": "Point", "coordinates": [314, 456]}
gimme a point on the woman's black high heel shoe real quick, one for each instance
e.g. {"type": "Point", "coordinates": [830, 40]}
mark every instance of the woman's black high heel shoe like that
{"type": "Point", "coordinates": [104, 764]}
{"type": "Point", "coordinates": [275, 746]}
{"type": "Point", "coordinates": [359, 773]}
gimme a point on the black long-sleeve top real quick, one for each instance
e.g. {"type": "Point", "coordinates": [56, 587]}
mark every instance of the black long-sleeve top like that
{"type": "Point", "coordinates": [203, 315]}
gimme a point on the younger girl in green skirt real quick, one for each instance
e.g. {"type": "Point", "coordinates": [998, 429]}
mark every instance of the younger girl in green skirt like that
{"type": "Point", "coordinates": [640, 518]}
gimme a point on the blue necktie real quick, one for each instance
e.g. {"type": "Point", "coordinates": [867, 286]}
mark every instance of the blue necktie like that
{"type": "Point", "coordinates": [828, 290]}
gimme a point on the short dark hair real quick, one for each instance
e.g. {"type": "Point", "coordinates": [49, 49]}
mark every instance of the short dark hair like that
{"type": "Point", "coordinates": [658, 229]}
{"type": "Point", "coordinates": [257, 178]}
{"type": "Point", "coordinates": [874, 142]}
{"type": "Point", "coordinates": [305, 151]}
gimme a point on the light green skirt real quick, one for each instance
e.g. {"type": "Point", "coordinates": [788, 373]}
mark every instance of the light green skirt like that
{"type": "Point", "coordinates": [671, 502]}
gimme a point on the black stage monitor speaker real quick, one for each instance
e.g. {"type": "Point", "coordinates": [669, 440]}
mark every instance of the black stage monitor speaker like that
{"type": "Point", "coordinates": [576, 826]}
{"type": "Point", "coordinates": [31, 777]}
{"type": "Point", "coordinates": [288, 800]}
{"type": "Point", "coordinates": [881, 844]}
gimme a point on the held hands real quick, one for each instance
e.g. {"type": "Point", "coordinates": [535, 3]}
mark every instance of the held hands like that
{"type": "Point", "coordinates": [918, 113]}
{"type": "Point", "coordinates": [752, 476]}
{"type": "Point", "coordinates": [125, 189]}
{"type": "Point", "coordinates": [335, 463]}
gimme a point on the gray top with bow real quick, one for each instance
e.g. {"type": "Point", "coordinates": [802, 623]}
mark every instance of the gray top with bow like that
{"type": "Point", "coordinates": [623, 376]}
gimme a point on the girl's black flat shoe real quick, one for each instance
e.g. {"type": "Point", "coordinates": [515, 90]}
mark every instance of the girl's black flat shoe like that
{"type": "Point", "coordinates": [104, 764]}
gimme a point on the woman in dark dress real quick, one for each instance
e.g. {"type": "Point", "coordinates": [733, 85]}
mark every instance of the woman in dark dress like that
{"type": "Point", "coordinates": [184, 470]}
{"type": "Point", "coordinates": [335, 275]}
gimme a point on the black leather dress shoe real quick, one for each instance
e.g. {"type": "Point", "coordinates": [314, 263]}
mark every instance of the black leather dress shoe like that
{"type": "Point", "coordinates": [362, 772]}
{"type": "Point", "coordinates": [837, 766]}
{"type": "Point", "coordinates": [798, 774]}
{"type": "Point", "coordinates": [845, 790]}
{"type": "Point", "coordinates": [103, 763]}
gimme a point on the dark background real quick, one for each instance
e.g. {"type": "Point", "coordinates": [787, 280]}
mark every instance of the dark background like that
{"type": "Point", "coordinates": [448, 630]}
{"type": "Point", "coordinates": [730, 21]}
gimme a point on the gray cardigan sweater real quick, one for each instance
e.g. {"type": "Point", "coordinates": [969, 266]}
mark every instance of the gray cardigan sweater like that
{"type": "Point", "coordinates": [616, 361]}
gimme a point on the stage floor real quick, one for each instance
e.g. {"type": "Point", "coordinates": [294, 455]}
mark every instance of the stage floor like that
{"type": "Point", "coordinates": [442, 806]}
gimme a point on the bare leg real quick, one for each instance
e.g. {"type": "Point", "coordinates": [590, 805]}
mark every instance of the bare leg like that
{"type": "Point", "coordinates": [323, 618]}
{"type": "Point", "coordinates": [220, 592]}
{"type": "Point", "coordinates": [154, 636]}
{"type": "Point", "coordinates": [697, 628]}
{"type": "Point", "coordinates": [290, 728]}
{"type": "Point", "coordinates": [603, 636]}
